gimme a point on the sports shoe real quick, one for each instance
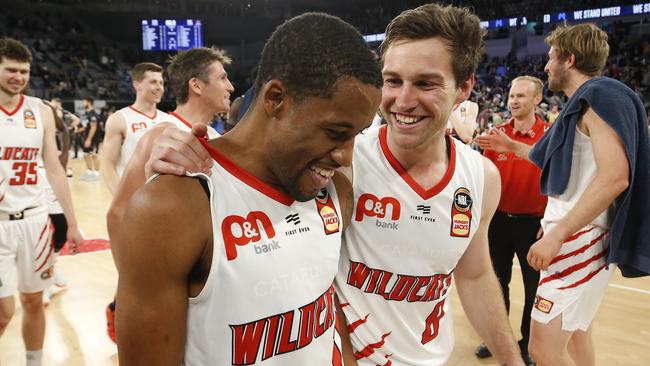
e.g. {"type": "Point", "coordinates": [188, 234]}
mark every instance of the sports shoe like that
{"type": "Point", "coordinates": [110, 322]}
{"type": "Point", "coordinates": [482, 351]}
{"type": "Point", "coordinates": [59, 279]}
{"type": "Point", "coordinates": [89, 177]}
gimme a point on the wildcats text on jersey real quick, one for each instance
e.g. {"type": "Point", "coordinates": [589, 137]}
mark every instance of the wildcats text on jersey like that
{"type": "Point", "coordinates": [18, 153]}
{"type": "Point", "coordinates": [272, 336]}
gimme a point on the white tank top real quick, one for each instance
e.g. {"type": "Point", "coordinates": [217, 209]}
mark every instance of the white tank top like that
{"type": "Point", "coordinates": [137, 124]}
{"type": "Point", "coordinates": [269, 296]}
{"type": "Point", "coordinates": [21, 142]}
{"type": "Point", "coordinates": [583, 171]}
{"type": "Point", "coordinates": [400, 251]}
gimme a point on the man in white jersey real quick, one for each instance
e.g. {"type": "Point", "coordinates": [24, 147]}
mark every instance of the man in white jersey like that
{"type": "Point", "coordinates": [423, 204]}
{"type": "Point", "coordinates": [200, 83]}
{"type": "Point", "coordinates": [259, 262]}
{"type": "Point", "coordinates": [581, 222]}
{"type": "Point", "coordinates": [27, 135]}
{"type": "Point", "coordinates": [125, 127]}
{"type": "Point", "coordinates": [462, 121]}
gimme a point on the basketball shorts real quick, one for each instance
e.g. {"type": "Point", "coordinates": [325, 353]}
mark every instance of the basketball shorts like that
{"type": "Point", "coordinates": [26, 249]}
{"type": "Point", "coordinates": [575, 282]}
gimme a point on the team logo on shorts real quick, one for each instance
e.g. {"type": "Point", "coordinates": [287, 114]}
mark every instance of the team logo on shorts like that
{"type": "Point", "coordinates": [461, 213]}
{"type": "Point", "coordinates": [327, 212]}
{"type": "Point", "coordinates": [543, 305]}
{"type": "Point", "coordinates": [47, 273]}
{"type": "Point", "coordinates": [30, 119]}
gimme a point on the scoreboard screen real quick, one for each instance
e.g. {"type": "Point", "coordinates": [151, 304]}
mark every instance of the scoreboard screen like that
{"type": "Point", "coordinates": [171, 34]}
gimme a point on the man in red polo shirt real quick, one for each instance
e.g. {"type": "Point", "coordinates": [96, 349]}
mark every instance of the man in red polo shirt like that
{"type": "Point", "coordinates": [516, 223]}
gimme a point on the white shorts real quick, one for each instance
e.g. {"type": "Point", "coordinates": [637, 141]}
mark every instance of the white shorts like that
{"type": "Point", "coordinates": [26, 245]}
{"type": "Point", "coordinates": [574, 284]}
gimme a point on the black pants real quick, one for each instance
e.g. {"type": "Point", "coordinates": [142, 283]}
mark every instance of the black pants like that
{"type": "Point", "coordinates": [509, 236]}
{"type": "Point", "coordinates": [60, 231]}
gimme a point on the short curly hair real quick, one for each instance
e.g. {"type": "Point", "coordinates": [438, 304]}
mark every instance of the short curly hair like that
{"type": "Point", "coordinates": [458, 26]}
{"type": "Point", "coordinates": [312, 52]}
{"type": "Point", "coordinates": [14, 50]}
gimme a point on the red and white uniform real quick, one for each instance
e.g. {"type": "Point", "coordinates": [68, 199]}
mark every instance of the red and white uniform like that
{"type": "Point", "coordinates": [269, 297]}
{"type": "Point", "coordinates": [575, 282]}
{"type": "Point", "coordinates": [399, 254]}
{"type": "Point", "coordinates": [184, 125]}
{"type": "Point", "coordinates": [137, 124]}
{"type": "Point", "coordinates": [24, 226]}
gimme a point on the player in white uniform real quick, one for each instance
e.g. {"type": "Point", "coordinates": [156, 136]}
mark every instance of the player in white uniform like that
{"type": "Point", "coordinates": [198, 79]}
{"type": "Point", "coordinates": [27, 135]}
{"type": "Point", "coordinates": [396, 270]}
{"type": "Point", "coordinates": [125, 127]}
{"type": "Point", "coordinates": [462, 121]}
{"type": "Point", "coordinates": [259, 264]}
{"type": "Point", "coordinates": [573, 251]}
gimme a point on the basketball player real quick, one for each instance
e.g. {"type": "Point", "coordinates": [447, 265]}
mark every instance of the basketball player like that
{"type": "Point", "coordinates": [198, 79]}
{"type": "Point", "coordinates": [263, 249]}
{"type": "Point", "coordinates": [423, 204]}
{"type": "Point", "coordinates": [55, 211]}
{"type": "Point", "coordinates": [91, 132]}
{"type": "Point", "coordinates": [462, 121]}
{"type": "Point", "coordinates": [516, 223]}
{"type": "Point", "coordinates": [125, 127]}
{"type": "Point", "coordinates": [27, 135]}
{"type": "Point", "coordinates": [595, 165]}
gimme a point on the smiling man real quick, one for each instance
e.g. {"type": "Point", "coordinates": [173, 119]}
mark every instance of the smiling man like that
{"type": "Point", "coordinates": [196, 253]}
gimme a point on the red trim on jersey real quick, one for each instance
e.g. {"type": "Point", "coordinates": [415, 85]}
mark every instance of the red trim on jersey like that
{"type": "Point", "coordinates": [20, 104]}
{"type": "Point", "coordinates": [247, 177]}
{"type": "Point", "coordinates": [584, 280]}
{"type": "Point", "coordinates": [181, 119]}
{"type": "Point", "coordinates": [582, 249]}
{"type": "Point", "coordinates": [155, 113]}
{"type": "Point", "coordinates": [573, 268]}
{"type": "Point", "coordinates": [578, 234]}
{"type": "Point", "coordinates": [422, 192]}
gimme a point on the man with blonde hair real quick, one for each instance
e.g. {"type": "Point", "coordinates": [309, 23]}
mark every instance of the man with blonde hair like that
{"type": "Point", "coordinates": [595, 163]}
{"type": "Point", "coordinates": [516, 223]}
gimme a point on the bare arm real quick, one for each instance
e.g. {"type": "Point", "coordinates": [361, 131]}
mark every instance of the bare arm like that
{"type": "Point", "coordinates": [499, 142]}
{"type": "Point", "coordinates": [465, 124]}
{"type": "Point", "coordinates": [159, 255]}
{"type": "Point", "coordinates": [478, 287]}
{"type": "Point", "coordinates": [115, 133]}
{"type": "Point", "coordinates": [132, 179]}
{"type": "Point", "coordinates": [57, 178]}
{"type": "Point", "coordinates": [612, 178]}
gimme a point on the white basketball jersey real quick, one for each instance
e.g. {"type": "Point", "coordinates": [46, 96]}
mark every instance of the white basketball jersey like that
{"type": "Point", "coordinates": [400, 251]}
{"type": "Point", "coordinates": [137, 124]}
{"type": "Point", "coordinates": [269, 297]}
{"type": "Point", "coordinates": [184, 125]}
{"type": "Point", "coordinates": [583, 171]}
{"type": "Point", "coordinates": [21, 142]}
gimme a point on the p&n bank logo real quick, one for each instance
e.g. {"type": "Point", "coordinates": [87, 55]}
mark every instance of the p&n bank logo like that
{"type": "Point", "coordinates": [239, 231]}
{"type": "Point", "coordinates": [373, 206]}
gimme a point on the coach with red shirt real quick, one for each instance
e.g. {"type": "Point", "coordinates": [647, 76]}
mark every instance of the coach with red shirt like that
{"type": "Point", "coordinates": [516, 223]}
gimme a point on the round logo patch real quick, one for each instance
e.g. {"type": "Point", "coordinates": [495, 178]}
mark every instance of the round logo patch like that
{"type": "Point", "coordinates": [330, 218]}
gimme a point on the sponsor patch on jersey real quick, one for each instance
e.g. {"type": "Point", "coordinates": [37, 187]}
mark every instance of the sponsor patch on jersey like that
{"type": "Point", "coordinates": [327, 212]}
{"type": "Point", "coordinates": [461, 213]}
{"type": "Point", "coordinates": [47, 273]}
{"type": "Point", "coordinates": [29, 118]}
{"type": "Point", "coordinates": [543, 305]}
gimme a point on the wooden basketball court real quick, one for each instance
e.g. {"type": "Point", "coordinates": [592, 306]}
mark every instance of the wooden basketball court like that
{"type": "Point", "coordinates": [76, 330]}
